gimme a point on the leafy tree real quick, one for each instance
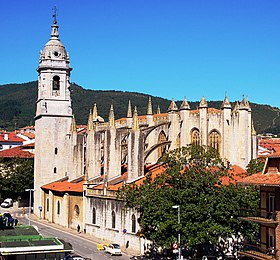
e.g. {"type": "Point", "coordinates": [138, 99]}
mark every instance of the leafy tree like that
{"type": "Point", "coordinates": [255, 165]}
{"type": "Point", "coordinates": [16, 176]}
{"type": "Point", "coordinates": [208, 208]}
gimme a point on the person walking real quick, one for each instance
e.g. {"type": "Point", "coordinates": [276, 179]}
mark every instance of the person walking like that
{"type": "Point", "coordinates": [78, 228]}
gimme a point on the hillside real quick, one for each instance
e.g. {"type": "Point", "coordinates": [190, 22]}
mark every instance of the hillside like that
{"type": "Point", "coordinates": [18, 103]}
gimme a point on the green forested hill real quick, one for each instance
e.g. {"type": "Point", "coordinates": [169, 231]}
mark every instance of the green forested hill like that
{"type": "Point", "coordinates": [18, 103]}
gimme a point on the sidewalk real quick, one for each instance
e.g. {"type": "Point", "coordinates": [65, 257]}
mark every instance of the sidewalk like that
{"type": "Point", "coordinates": [67, 230]}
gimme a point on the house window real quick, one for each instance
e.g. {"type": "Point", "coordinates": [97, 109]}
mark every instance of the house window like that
{"type": "Point", "coordinates": [77, 210]}
{"type": "Point", "coordinates": [133, 223]}
{"type": "Point", "coordinates": [48, 205]}
{"type": "Point", "coordinates": [113, 219]}
{"type": "Point", "coordinates": [56, 83]}
{"type": "Point", "coordinates": [55, 150]}
{"type": "Point", "coordinates": [58, 207]}
{"type": "Point", "coordinates": [214, 140]}
{"type": "Point", "coordinates": [93, 216]}
{"type": "Point", "coordinates": [271, 203]}
{"type": "Point", "coordinates": [195, 137]}
{"type": "Point", "coordinates": [54, 170]}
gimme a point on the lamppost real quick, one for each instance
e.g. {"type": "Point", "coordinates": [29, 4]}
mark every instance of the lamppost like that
{"type": "Point", "coordinates": [179, 234]}
{"type": "Point", "coordinates": [30, 190]}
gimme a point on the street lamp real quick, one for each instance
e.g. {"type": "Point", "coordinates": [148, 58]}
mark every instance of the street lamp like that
{"type": "Point", "coordinates": [30, 190]}
{"type": "Point", "coordinates": [179, 235]}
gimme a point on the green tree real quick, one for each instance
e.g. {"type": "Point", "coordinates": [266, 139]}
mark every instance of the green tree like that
{"type": "Point", "coordinates": [209, 208]}
{"type": "Point", "coordinates": [255, 165]}
{"type": "Point", "coordinates": [17, 174]}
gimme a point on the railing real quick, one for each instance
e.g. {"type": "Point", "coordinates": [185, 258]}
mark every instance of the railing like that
{"type": "Point", "coordinates": [258, 213]}
{"type": "Point", "coordinates": [257, 250]}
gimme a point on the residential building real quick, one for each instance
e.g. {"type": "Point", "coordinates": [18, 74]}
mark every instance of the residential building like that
{"type": "Point", "coordinates": [268, 246]}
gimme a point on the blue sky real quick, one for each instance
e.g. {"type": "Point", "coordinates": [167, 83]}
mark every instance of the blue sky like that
{"type": "Point", "coordinates": [165, 48]}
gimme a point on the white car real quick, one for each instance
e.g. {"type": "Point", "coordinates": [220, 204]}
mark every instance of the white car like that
{"type": "Point", "coordinates": [113, 249]}
{"type": "Point", "coordinates": [7, 203]}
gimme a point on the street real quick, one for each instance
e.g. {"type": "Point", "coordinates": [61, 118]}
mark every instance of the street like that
{"type": "Point", "coordinates": [81, 245]}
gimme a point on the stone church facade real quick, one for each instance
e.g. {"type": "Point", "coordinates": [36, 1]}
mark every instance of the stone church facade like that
{"type": "Point", "coordinates": [77, 172]}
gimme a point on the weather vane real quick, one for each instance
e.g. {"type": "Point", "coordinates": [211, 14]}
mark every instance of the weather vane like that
{"type": "Point", "coordinates": [54, 14]}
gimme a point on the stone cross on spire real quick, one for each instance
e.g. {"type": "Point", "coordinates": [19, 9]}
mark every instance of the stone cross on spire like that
{"type": "Point", "coordinates": [54, 14]}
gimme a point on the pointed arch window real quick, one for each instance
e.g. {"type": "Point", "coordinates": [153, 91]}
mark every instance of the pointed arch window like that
{"type": "Point", "coordinates": [56, 83]}
{"type": "Point", "coordinates": [93, 216]}
{"type": "Point", "coordinates": [214, 140]}
{"type": "Point", "coordinates": [113, 219]}
{"type": "Point", "coordinates": [133, 223]}
{"type": "Point", "coordinates": [161, 138]}
{"type": "Point", "coordinates": [195, 137]}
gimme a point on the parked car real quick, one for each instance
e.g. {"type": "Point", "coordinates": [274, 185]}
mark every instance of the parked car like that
{"type": "Point", "coordinates": [74, 257]}
{"type": "Point", "coordinates": [113, 249]}
{"type": "Point", "coordinates": [7, 203]}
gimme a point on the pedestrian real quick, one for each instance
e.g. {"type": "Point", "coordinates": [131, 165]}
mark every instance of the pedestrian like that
{"type": "Point", "coordinates": [78, 228]}
{"type": "Point", "coordinates": [16, 222]}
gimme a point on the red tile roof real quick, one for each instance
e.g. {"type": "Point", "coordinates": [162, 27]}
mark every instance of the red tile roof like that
{"type": "Point", "coordinates": [10, 137]}
{"type": "Point", "coordinates": [16, 152]}
{"type": "Point", "coordinates": [65, 186]}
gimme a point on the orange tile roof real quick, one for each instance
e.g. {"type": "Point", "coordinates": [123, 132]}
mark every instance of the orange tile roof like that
{"type": "Point", "coordinates": [114, 185]}
{"type": "Point", "coordinates": [267, 179]}
{"type": "Point", "coordinates": [65, 186]}
{"type": "Point", "coordinates": [237, 173]}
{"type": "Point", "coordinates": [10, 137]}
{"type": "Point", "coordinates": [16, 152]}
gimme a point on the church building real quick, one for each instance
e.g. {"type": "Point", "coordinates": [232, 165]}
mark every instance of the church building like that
{"type": "Point", "coordinates": [78, 171]}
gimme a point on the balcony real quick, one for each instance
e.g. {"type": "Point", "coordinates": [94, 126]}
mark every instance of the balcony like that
{"type": "Point", "coordinates": [256, 252]}
{"type": "Point", "coordinates": [258, 216]}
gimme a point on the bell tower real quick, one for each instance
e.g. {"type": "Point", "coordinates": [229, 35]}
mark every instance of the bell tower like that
{"type": "Point", "coordinates": [53, 115]}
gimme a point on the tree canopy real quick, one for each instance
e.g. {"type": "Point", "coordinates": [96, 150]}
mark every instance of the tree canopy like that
{"type": "Point", "coordinates": [16, 176]}
{"type": "Point", "coordinates": [208, 207]}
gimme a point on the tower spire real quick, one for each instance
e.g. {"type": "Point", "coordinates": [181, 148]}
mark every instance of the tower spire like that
{"type": "Point", "coordinates": [94, 112]}
{"type": "Point", "coordinates": [90, 121]}
{"type": "Point", "coordinates": [150, 108]}
{"type": "Point", "coordinates": [54, 26]}
{"type": "Point", "coordinates": [129, 113]}
{"type": "Point", "coordinates": [111, 117]}
{"type": "Point", "coordinates": [135, 123]}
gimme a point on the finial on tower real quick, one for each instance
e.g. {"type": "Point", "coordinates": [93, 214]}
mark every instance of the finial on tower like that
{"type": "Point", "coordinates": [150, 108]}
{"type": "Point", "coordinates": [129, 112]}
{"type": "Point", "coordinates": [54, 14]}
{"type": "Point", "coordinates": [111, 117]}
{"type": "Point", "coordinates": [135, 122]}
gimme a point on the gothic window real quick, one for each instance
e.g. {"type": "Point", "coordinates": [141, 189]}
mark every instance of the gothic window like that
{"type": "Point", "coordinates": [124, 150]}
{"type": "Point", "coordinates": [58, 207]}
{"type": "Point", "coordinates": [195, 137]}
{"type": "Point", "coordinates": [54, 170]}
{"type": "Point", "coordinates": [56, 83]}
{"type": "Point", "coordinates": [113, 219]}
{"type": "Point", "coordinates": [161, 138]}
{"type": "Point", "coordinates": [133, 223]}
{"type": "Point", "coordinates": [77, 210]}
{"type": "Point", "coordinates": [214, 140]}
{"type": "Point", "coordinates": [93, 216]}
{"type": "Point", "coordinates": [55, 150]}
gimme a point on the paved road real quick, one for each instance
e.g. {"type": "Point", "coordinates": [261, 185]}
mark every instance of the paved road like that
{"type": "Point", "coordinates": [81, 243]}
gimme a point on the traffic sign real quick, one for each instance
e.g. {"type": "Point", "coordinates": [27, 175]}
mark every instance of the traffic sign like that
{"type": "Point", "coordinates": [175, 246]}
